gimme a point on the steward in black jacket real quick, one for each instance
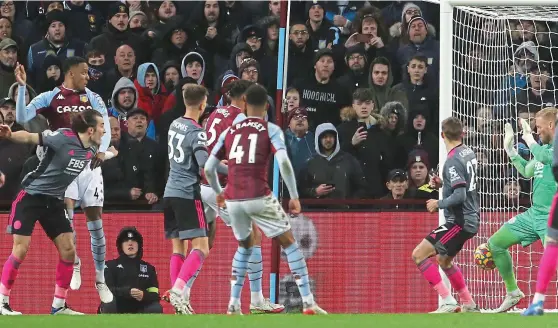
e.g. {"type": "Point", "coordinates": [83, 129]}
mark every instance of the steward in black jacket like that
{"type": "Point", "coordinates": [133, 282]}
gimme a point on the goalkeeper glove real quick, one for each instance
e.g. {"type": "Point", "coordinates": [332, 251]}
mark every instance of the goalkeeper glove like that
{"type": "Point", "coordinates": [527, 133]}
{"type": "Point", "coordinates": [508, 140]}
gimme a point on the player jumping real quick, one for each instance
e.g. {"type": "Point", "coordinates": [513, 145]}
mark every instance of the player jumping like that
{"type": "Point", "coordinates": [249, 145]}
{"type": "Point", "coordinates": [68, 152]}
{"type": "Point", "coordinates": [531, 225]}
{"type": "Point", "coordinates": [549, 260]}
{"type": "Point", "coordinates": [184, 212]}
{"type": "Point", "coordinates": [57, 106]}
{"type": "Point", "coordinates": [461, 210]}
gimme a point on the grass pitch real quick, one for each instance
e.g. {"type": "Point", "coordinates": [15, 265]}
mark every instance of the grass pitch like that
{"type": "Point", "coordinates": [285, 321]}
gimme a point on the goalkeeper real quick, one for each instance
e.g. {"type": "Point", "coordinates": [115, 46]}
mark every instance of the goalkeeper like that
{"type": "Point", "coordinates": [529, 226]}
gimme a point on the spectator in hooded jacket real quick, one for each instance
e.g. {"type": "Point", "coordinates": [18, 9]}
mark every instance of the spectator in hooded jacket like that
{"type": "Point", "coordinates": [253, 36]}
{"type": "Point", "coordinates": [300, 142]}
{"type": "Point", "coordinates": [240, 52]}
{"type": "Point", "coordinates": [124, 98]}
{"type": "Point", "coordinates": [56, 42]}
{"type": "Point", "coordinates": [50, 75]}
{"type": "Point", "coordinates": [540, 91]}
{"type": "Point", "coordinates": [422, 97]}
{"type": "Point", "coordinates": [97, 71]}
{"type": "Point", "coordinates": [151, 94]}
{"type": "Point", "coordinates": [300, 53]}
{"type": "Point", "coordinates": [250, 70]}
{"type": "Point", "coordinates": [132, 281]}
{"type": "Point", "coordinates": [323, 34]}
{"type": "Point", "coordinates": [357, 75]}
{"type": "Point", "coordinates": [177, 41]}
{"type": "Point", "coordinates": [270, 43]}
{"type": "Point", "coordinates": [398, 30]}
{"type": "Point", "coordinates": [418, 136]}
{"type": "Point", "coordinates": [395, 116]}
{"type": "Point", "coordinates": [331, 173]}
{"type": "Point", "coordinates": [381, 83]}
{"type": "Point", "coordinates": [137, 24]}
{"type": "Point", "coordinates": [170, 75]}
{"type": "Point", "coordinates": [117, 34]}
{"type": "Point", "coordinates": [362, 135]}
{"type": "Point", "coordinates": [421, 42]}
{"type": "Point", "coordinates": [322, 96]}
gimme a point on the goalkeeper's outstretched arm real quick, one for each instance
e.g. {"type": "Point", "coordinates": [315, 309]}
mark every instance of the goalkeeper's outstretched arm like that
{"type": "Point", "coordinates": [518, 162]}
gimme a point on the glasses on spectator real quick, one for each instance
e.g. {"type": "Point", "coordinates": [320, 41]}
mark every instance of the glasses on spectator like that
{"type": "Point", "coordinates": [300, 117]}
{"type": "Point", "coordinates": [251, 71]}
{"type": "Point", "coordinates": [254, 39]}
{"type": "Point", "coordinates": [7, 4]}
{"type": "Point", "coordinates": [300, 32]}
{"type": "Point", "coordinates": [357, 57]}
{"type": "Point", "coordinates": [413, 12]}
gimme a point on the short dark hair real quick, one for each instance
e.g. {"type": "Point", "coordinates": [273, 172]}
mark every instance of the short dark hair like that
{"type": "Point", "coordinates": [237, 88]}
{"type": "Point", "coordinates": [84, 120]}
{"type": "Point", "coordinates": [452, 128]}
{"type": "Point", "coordinates": [256, 95]}
{"type": "Point", "coordinates": [71, 62]}
{"type": "Point", "coordinates": [194, 94]}
{"type": "Point", "coordinates": [381, 61]}
{"type": "Point", "coordinates": [363, 94]}
{"type": "Point", "coordinates": [419, 58]}
{"type": "Point", "coordinates": [150, 69]}
{"type": "Point", "coordinates": [94, 53]}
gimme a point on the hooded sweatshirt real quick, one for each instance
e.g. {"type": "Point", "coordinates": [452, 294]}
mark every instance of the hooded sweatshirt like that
{"type": "Point", "coordinates": [193, 56]}
{"type": "Point", "coordinates": [151, 102]}
{"type": "Point", "coordinates": [339, 169]}
{"type": "Point", "coordinates": [120, 113]}
{"type": "Point", "coordinates": [125, 273]}
{"type": "Point", "coordinates": [385, 93]}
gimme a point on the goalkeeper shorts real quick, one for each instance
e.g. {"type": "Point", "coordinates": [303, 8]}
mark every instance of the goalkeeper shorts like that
{"type": "Point", "coordinates": [529, 226]}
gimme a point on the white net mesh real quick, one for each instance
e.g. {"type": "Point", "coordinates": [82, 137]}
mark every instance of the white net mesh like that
{"type": "Point", "coordinates": [503, 69]}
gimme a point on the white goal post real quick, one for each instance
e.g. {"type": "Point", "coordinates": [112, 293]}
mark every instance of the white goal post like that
{"type": "Point", "coordinates": [484, 68]}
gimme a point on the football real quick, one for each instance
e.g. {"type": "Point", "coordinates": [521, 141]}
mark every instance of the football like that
{"type": "Point", "coordinates": [483, 257]}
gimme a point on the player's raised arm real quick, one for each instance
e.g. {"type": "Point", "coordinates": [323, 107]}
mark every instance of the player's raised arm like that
{"type": "Point", "coordinates": [278, 141]}
{"type": "Point", "coordinates": [99, 105]}
{"type": "Point", "coordinates": [518, 162]}
{"type": "Point", "coordinates": [25, 113]}
{"type": "Point", "coordinates": [19, 136]}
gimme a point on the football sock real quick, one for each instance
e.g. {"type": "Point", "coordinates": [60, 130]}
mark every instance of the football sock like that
{"type": "Point", "coordinates": [9, 275]}
{"type": "Point", "coordinates": [547, 269]}
{"type": "Point", "coordinates": [176, 262]}
{"type": "Point", "coordinates": [70, 213]}
{"type": "Point", "coordinates": [239, 268]}
{"type": "Point", "coordinates": [255, 272]}
{"type": "Point", "coordinates": [458, 283]}
{"type": "Point", "coordinates": [63, 278]}
{"type": "Point", "coordinates": [190, 283]}
{"type": "Point", "coordinates": [499, 244]}
{"type": "Point", "coordinates": [191, 264]}
{"type": "Point", "coordinates": [432, 275]}
{"type": "Point", "coordinates": [298, 267]}
{"type": "Point", "coordinates": [98, 248]}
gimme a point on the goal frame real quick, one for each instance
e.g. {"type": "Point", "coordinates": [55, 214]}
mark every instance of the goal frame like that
{"type": "Point", "coordinates": [446, 66]}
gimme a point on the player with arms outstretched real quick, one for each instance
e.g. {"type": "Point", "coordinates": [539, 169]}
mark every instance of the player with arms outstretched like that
{"type": "Point", "coordinates": [249, 146]}
{"type": "Point", "coordinates": [68, 152]}
{"type": "Point", "coordinates": [184, 212]}
{"type": "Point", "coordinates": [57, 106]}
{"type": "Point", "coordinates": [549, 260]}
{"type": "Point", "coordinates": [461, 210]}
{"type": "Point", "coordinates": [531, 225]}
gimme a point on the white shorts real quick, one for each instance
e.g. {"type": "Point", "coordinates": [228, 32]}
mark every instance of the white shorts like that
{"type": "Point", "coordinates": [267, 213]}
{"type": "Point", "coordinates": [209, 199]}
{"type": "Point", "coordinates": [87, 188]}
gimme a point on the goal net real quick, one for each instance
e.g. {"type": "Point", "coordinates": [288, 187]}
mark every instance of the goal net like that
{"type": "Point", "coordinates": [503, 68]}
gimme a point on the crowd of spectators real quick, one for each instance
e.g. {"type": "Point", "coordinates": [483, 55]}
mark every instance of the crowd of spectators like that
{"type": "Point", "coordinates": [360, 113]}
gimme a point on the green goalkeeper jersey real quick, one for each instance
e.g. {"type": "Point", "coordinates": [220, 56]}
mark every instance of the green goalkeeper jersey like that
{"type": "Point", "coordinates": [540, 168]}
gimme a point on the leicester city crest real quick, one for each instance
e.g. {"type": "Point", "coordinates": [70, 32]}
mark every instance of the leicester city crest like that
{"type": "Point", "coordinates": [143, 268]}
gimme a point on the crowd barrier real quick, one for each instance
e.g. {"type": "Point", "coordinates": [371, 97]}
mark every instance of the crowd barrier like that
{"type": "Point", "coordinates": [359, 262]}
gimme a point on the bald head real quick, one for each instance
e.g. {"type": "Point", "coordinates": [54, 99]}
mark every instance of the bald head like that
{"type": "Point", "coordinates": [125, 58]}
